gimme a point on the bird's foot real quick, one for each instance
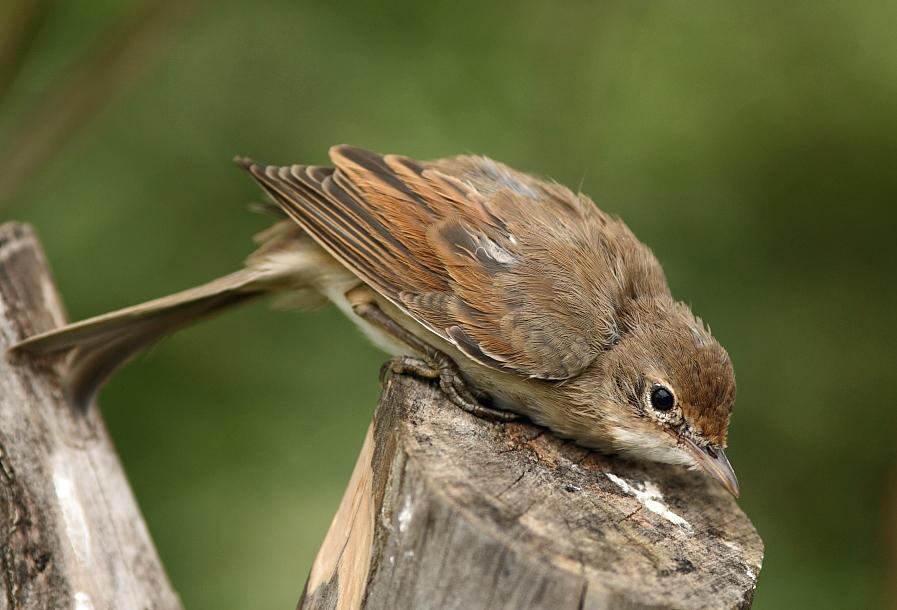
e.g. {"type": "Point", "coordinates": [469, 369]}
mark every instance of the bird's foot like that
{"type": "Point", "coordinates": [450, 382]}
{"type": "Point", "coordinates": [435, 364]}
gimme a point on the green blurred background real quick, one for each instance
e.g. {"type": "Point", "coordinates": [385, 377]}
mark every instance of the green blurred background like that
{"type": "Point", "coordinates": [752, 145]}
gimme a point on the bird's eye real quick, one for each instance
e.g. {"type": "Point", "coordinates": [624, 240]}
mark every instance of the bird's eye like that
{"type": "Point", "coordinates": [662, 399]}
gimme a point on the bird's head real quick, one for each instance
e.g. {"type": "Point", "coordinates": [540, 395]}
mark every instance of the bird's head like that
{"type": "Point", "coordinates": [669, 388]}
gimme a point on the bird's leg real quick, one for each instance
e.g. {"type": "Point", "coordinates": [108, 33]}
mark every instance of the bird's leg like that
{"type": "Point", "coordinates": [434, 364]}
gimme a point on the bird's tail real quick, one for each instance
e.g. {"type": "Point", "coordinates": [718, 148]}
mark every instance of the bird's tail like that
{"type": "Point", "coordinates": [287, 263]}
{"type": "Point", "coordinates": [96, 347]}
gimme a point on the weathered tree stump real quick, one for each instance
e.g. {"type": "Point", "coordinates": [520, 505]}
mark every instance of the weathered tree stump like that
{"type": "Point", "coordinates": [446, 511]}
{"type": "Point", "coordinates": [71, 535]}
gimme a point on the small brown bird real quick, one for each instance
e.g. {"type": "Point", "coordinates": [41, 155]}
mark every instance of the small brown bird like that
{"type": "Point", "coordinates": [502, 287]}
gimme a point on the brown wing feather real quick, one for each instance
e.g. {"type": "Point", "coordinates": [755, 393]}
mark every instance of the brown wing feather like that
{"type": "Point", "coordinates": [478, 253]}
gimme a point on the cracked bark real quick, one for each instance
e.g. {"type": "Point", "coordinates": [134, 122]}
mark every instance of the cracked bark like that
{"type": "Point", "coordinates": [71, 535]}
{"type": "Point", "coordinates": [448, 511]}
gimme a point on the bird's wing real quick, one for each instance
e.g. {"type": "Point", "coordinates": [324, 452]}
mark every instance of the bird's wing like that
{"type": "Point", "coordinates": [510, 269]}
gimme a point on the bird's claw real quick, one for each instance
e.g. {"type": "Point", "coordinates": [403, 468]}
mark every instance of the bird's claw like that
{"type": "Point", "coordinates": [450, 382]}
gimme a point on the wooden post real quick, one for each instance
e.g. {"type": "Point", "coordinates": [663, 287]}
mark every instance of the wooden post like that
{"type": "Point", "coordinates": [71, 535]}
{"type": "Point", "coordinates": [448, 511]}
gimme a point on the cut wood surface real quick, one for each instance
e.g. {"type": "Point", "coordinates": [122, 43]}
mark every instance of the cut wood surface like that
{"type": "Point", "coordinates": [71, 535]}
{"type": "Point", "coordinates": [445, 510]}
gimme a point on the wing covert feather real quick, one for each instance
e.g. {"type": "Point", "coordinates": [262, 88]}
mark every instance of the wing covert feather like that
{"type": "Point", "coordinates": [520, 274]}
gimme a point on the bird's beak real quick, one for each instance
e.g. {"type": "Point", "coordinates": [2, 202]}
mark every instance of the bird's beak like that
{"type": "Point", "coordinates": [714, 462]}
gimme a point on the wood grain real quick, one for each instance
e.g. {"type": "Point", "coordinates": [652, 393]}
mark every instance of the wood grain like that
{"type": "Point", "coordinates": [71, 534]}
{"type": "Point", "coordinates": [469, 514]}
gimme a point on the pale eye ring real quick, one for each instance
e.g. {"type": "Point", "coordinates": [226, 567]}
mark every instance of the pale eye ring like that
{"type": "Point", "coordinates": [662, 398]}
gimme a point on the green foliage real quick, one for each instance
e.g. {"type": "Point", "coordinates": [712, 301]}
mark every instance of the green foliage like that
{"type": "Point", "coordinates": [751, 144]}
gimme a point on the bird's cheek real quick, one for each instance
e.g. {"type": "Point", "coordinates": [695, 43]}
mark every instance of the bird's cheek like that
{"type": "Point", "coordinates": [648, 445]}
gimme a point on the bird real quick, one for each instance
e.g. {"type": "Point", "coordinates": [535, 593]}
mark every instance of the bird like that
{"type": "Point", "coordinates": [519, 297]}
